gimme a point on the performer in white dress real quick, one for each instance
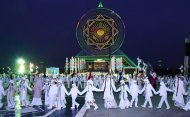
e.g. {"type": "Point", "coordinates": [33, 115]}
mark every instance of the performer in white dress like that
{"type": "Point", "coordinates": [23, 92]}
{"type": "Point", "coordinates": [2, 93]}
{"type": "Point", "coordinates": [46, 88]}
{"type": "Point", "coordinates": [89, 97]}
{"type": "Point", "coordinates": [108, 87]}
{"type": "Point", "coordinates": [179, 91]}
{"type": "Point", "coordinates": [187, 106]}
{"type": "Point", "coordinates": [52, 94]}
{"type": "Point", "coordinates": [37, 101]}
{"type": "Point", "coordinates": [10, 94]}
{"type": "Point", "coordinates": [124, 102]}
{"type": "Point", "coordinates": [61, 95]}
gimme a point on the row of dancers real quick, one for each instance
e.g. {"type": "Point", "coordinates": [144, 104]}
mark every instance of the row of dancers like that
{"type": "Point", "coordinates": [55, 92]}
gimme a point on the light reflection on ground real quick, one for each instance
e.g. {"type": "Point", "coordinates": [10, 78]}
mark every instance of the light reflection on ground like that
{"type": "Point", "coordinates": [34, 111]}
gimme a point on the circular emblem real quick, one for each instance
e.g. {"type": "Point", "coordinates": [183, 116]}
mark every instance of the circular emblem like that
{"type": "Point", "coordinates": [100, 32]}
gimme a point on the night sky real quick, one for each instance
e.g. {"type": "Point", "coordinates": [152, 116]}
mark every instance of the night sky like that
{"type": "Point", "coordinates": [45, 30]}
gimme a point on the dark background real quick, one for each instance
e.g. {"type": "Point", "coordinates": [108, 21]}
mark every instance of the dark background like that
{"type": "Point", "coordinates": [45, 30]}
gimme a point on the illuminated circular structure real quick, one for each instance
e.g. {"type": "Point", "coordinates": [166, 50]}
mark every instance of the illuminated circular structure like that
{"type": "Point", "coordinates": [100, 32]}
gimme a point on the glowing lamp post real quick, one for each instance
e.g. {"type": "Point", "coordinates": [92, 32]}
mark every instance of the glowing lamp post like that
{"type": "Point", "coordinates": [21, 68]}
{"type": "Point", "coordinates": [31, 67]}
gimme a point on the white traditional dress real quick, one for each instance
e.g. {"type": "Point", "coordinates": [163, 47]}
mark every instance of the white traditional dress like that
{"type": "Point", "coordinates": [46, 89]}
{"type": "Point", "coordinates": [108, 87]}
{"type": "Point", "coordinates": [89, 97]}
{"type": "Point", "coordinates": [52, 94]}
{"type": "Point", "coordinates": [187, 106]}
{"type": "Point", "coordinates": [124, 102]}
{"type": "Point", "coordinates": [10, 94]}
{"type": "Point", "coordinates": [37, 92]}
{"type": "Point", "coordinates": [179, 91]}
{"type": "Point", "coordinates": [2, 92]}
{"type": "Point", "coordinates": [23, 92]}
{"type": "Point", "coordinates": [61, 95]}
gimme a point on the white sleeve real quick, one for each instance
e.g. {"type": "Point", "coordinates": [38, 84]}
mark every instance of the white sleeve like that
{"type": "Point", "coordinates": [119, 89]}
{"type": "Point", "coordinates": [113, 85]}
{"type": "Point", "coordinates": [169, 89]}
{"type": "Point", "coordinates": [103, 85]}
{"type": "Point", "coordinates": [142, 90]}
{"type": "Point", "coordinates": [127, 89]}
{"type": "Point", "coordinates": [65, 90]}
{"type": "Point", "coordinates": [153, 90]}
{"type": "Point", "coordinates": [79, 92]}
{"type": "Point", "coordinates": [84, 91]}
{"type": "Point", "coordinates": [96, 89]}
{"type": "Point", "coordinates": [29, 88]}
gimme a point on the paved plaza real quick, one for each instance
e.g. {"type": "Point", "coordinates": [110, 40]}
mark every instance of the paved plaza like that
{"type": "Point", "coordinates": [136, 112]}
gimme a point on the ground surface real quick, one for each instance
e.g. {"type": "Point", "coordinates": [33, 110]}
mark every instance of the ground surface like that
{"type": "Point", "coordinates": [136, 112]}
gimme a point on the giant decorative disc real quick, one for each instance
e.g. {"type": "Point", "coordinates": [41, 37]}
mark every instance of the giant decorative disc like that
{"type": "Point", "coordinates": [100, 32]}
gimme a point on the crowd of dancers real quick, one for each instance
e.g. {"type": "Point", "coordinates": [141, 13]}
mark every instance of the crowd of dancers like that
{"type": "Point", "coordinates": [55, 89]}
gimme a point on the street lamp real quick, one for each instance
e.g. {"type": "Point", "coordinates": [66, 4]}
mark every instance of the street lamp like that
{"type": "Point", "coordinates": [21, 68]}
{"type": "Point", "coordinates": [21, 61]}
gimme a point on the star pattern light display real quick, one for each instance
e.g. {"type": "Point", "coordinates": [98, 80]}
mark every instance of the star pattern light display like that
{"type": "Point", "coordinates": [100, 32]}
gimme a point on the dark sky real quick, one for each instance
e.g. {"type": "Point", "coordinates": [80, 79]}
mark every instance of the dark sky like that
{"type": "Point", "coordinates": [44, 30]}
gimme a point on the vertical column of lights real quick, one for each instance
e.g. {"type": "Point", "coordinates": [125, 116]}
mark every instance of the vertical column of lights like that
{"type": "Point", "coordinates": [117, 64]}
{"type": "Point", "coordinates": [66, 65]}
{"type": "Point", "coordinates": [75, 61]}
{"type": "Point", "coordinates": [84, 64]}
{"type": "Point", "coordinates": [71, 65]}
{"type": "Point", "coordinates": [78, 64]}
{"type": "Point", "coordinates": [113, 64]}
{"type": "Point", "coordinates": [121, 62]}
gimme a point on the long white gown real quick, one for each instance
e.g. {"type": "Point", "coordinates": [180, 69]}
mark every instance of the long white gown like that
{"type": "Point", "coordinates": [24, 93]}
{"type": "Point", "coordinates": [124, 102]}
{"type": "Point", "coordinates": [179, 91]}
{"type": "Point", "coordinates": [2, 93]}
{"type": "Point", "coordinates": [187, 106]}
{"type": "Point", "coordinates": [108, 87]}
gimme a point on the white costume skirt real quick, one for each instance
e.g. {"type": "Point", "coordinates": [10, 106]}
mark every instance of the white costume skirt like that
{"type": "Point", "coordinates": [110, 103]}
{"type": "Point", "coordinates": [23, 96]}
{"type": "Point", "coordinates": [47, 99]}
{"type": "Point", "coordinates": [36, 101]}
{"type": "Point", "coordinates": [89, 97]}
{"type": "Point", "coordinates": [187, 106]}
{"type": "Point", "coordinates": [124, 103]}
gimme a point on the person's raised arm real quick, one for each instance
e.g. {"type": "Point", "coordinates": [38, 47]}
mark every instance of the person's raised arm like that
{"type": "Point", "coordinates": [96, 89]}
{"type": "Point", "coordinates": [142, 90]}
{"type": "Point", "coordinates": [84, 91]}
